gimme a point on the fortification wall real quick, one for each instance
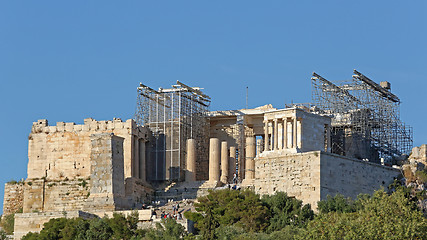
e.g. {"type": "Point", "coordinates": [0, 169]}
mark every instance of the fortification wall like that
{"type": "Point", "coordinates": [350, 177]}
{"type": "Point", "coordinates": [63, 151]}
{"type": "Point", "coordinates": [13, 197]}
{"type": "Point", "coordinates": [311, 176]}
{"type": "Point", "coordinates": [45, 196]}
{"type": "Point", "coordinates": [107, 189]}
{"type": "Point", "coordinates": [137, 192]}
{"type": "Point", "coordinates": [103, 190]}
{"type": "Point", "coordinates": [296, 174]}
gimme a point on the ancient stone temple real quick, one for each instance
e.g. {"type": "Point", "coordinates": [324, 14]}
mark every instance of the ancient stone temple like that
{"type": "Point", "coordinates": [177, 149]}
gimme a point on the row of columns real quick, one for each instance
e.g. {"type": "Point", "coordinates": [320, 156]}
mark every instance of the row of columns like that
{"type": "Point", "coordinates": [222, 160]}
{"type": "Point", "coordinates": [283, 139]}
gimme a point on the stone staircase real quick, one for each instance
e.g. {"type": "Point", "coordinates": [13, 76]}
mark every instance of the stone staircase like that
{"type": "Point", "coordinates": [177, 191]}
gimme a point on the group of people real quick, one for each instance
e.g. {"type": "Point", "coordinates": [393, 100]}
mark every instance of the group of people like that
{"type": "Point", "coordinates": [175, 213]}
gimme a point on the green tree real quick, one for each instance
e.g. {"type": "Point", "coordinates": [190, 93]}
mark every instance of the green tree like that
{"type": "Point", "coordinates": [75, 229]}
{"type": "Point", "coordinates": [3, 235]}
{"type": "Point", "coordinates": [286, 211]}
{"type": "Point", "coordinates": [382, 216]}
{"type": "Point", "coordinates": [169, 229]}
{"type": "Point", "coordinates": [338, 203]}
{"type": "Point", "coordinates": [8, 223]}
{"type": "Point", "coordinates": [229, 207]}
{"type": "Point", "coordinates": [99, 229]}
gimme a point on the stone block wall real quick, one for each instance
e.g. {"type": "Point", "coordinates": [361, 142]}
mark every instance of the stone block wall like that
{"type": "Point", "coordinates": [107, 176]}
{"type": "Point", "coordinates": [138, 192]}
{"type": "Point", "coordinates": [296, 174]}
{"type": "Point", "coordinates": [311, 176]}
{"type": "Point", "coordinates": [66, 195]}
{"type": "Point", "coordinates": [313, 131]}
{"type": "Point", "coordinates": [63, 151]}
{"type": "Point", "coordinates": [350, 177]}
{"type": "Point", "coordinates": [13, 198]}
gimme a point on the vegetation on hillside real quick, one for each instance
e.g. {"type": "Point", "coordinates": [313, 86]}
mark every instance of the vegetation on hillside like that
{"type": "Point", "coordinates": [233, 214]}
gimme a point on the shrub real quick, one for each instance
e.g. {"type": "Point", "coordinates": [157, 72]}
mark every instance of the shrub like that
{"type": "Point", "coordinates": [12, 182]}
{"type": "Point", "coordinates": [8, 223]}
{"type": "Point", "coordinates": [421, 176]}
{"type": "Point", "coordinates": [286, 211]}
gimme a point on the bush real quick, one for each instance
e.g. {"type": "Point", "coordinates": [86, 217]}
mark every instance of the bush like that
{"type": "Point", "coordinates": [382, 216]}
{"type": "Point", "coordinates": [3, 235]}
{"type": "Point", "coordinates": [12, 181]}
{"type": "Point", "coordinates": [226, 207]}
{"type": "Point", "coordinates": [421, 176]}
{"type": "Point", "coordinates": [168, 229]}
{"type": "Point", "coordinates": [286, 211]}
{"type": "Point", "coordinates": [337, 203]}
{"type": "Point", "coordinates": [7, 223]}
{"type": "Point", "coordinates": [117, 227]}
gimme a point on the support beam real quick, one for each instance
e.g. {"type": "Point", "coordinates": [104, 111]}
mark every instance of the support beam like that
{"type": "Point", "coordinates": [328, 138]}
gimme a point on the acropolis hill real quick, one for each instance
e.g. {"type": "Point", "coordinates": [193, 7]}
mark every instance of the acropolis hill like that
{"type": "Point", "coordinates": [350, 140]}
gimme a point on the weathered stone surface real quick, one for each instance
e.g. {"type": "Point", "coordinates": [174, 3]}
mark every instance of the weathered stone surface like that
{"type": "Point", "coordinates": [63, 151]}
{"type": "Point", "coordinates": [214, 160]}
{"type": "Point", "coordinates": [67, 195]}
{"type": "Point", "coordinates": [107, 177]}
{"type": "Point", "coordinates": [419, 154]}
{"type": "Point", "coordinates": [311, 176]}
{"type": "Point", "coordinates": [13, 198]}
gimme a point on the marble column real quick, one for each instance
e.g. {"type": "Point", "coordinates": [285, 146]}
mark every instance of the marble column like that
{"type": "Point", "coordinates": [250, 158]}
{"type": "Point", "coordinates": [266, 138]}
{"type": "Point", "coordinates": [285, 134]}
{"type": "Point", "coordinates": [232, 163]}
{"type": "Point", "coordinates": [214, 160]}
{"type": "Point", "coordinates": [190, 174]}
{"type": "Point", "coordinates": [300, 134]}
{"type": "Point", "coordinates": [276, 134]}
{"type": "Point", "coordinates": [258, 146]}
{"type": "Point", "coordinates": [224, 162]}
{"type": "Point", "coordinates": [294, 133]}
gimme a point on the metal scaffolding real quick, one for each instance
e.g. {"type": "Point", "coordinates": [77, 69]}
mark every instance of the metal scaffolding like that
{"type": "Point", "coordinates": [365, 118]}
{"type": "Point", "coordinates": [173, 115]}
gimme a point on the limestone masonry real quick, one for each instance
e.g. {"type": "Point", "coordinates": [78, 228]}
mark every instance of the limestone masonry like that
{"type": "Point", "coordinates": [176, 149]}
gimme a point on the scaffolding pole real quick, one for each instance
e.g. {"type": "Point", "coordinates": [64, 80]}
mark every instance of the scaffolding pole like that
{"type": "Point", "coordinates": [365, 118]}
{"type": "Point", "coordinates": [173, 116]}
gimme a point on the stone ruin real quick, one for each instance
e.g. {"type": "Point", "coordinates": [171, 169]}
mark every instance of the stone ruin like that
{"type": "Point", "coordinates": [101, 167]}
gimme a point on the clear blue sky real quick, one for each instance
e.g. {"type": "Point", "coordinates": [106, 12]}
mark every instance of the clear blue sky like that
{"type": "Point", "coordinates": [70, 60]}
